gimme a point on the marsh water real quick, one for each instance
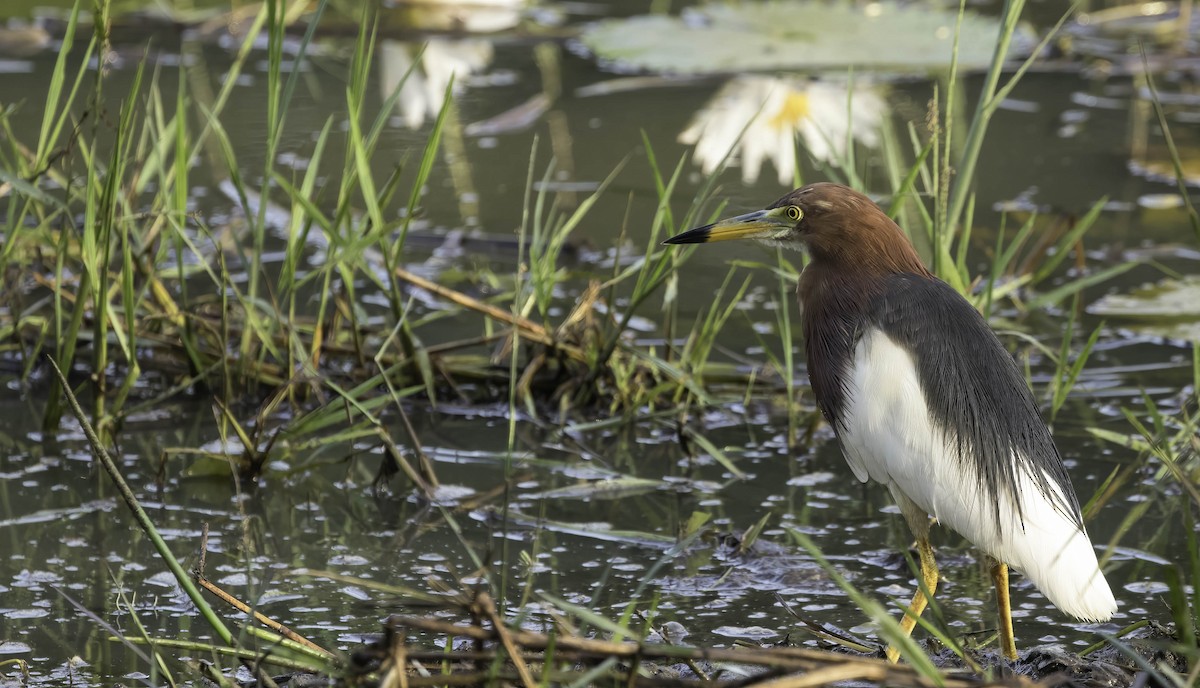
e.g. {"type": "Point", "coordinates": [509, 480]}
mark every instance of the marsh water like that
{"type": "Point", "coordinates": [1075, 131]}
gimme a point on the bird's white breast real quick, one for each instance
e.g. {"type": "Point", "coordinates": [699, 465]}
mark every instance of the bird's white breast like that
{"type": "Point", "coordinates": [888, 434]}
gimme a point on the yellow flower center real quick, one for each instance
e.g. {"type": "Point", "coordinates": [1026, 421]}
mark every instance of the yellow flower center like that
{"type": "Point", "coordinates": [795, 109]}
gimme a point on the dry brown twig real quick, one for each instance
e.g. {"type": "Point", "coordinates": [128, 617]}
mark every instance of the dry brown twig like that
{"type": "Point", "coordinates": [266, 621]}
{"type": "Point", "coordinates": [527, 328]}
{"type": "Point", "coordinates": [803, 667]}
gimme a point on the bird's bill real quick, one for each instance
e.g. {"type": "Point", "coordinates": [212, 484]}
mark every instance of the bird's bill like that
{"type": "Point", "coordinates": [760, 224]}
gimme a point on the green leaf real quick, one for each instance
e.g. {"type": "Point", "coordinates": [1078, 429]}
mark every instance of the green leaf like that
{"type": "Point", "coordinates": [796, 35]}
{"type": "Point", "coordinates": [1169, 308]}
{"type": "Point", "coordinates": [1075, 286]}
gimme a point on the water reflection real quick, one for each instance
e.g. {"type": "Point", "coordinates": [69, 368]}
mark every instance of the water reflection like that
{"type": "Point", "coordinates": [23, 39]}
{"type": "Point", "coordinates": [442, 60]}
{"type": "Point", "coordinates": [423, 92]}
{"type": "Point", "coordinates": [758, 117]}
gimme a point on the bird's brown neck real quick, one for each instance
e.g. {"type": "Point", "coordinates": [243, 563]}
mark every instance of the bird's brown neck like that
{"type": "Point", "coordinates": [850, 269]}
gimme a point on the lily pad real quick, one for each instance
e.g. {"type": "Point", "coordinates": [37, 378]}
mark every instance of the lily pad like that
{"type": "Point", "coordinates": [1123, 32]}
{"type": "Point", "coordinates": [1169, 309]}
{"type": "Point", "coordinates": [1170, 298]}
{"type": "Point", "coordinates": [797, 35]}
{"type": "Point", "coordinates": [1164, 169]}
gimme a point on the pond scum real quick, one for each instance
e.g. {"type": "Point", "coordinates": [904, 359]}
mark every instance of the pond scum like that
{"type": "Point", "coordinates": [112, 280]}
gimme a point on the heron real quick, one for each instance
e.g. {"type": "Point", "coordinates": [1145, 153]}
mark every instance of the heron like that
{"type": "Point", "coordinates": [924, 399]}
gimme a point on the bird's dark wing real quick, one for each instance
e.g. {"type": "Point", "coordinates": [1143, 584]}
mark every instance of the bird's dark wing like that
{"type": "Point", "coordinates": [974, 389]}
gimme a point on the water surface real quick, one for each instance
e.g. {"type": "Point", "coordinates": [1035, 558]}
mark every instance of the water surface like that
{"type": "Point", "coordinates": [72, 557]}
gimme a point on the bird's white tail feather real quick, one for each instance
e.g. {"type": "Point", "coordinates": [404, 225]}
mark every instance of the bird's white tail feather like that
{"type": "Point", "coordinates": [1056, 554]}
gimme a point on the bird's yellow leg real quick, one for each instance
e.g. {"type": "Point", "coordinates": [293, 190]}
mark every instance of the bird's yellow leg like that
{"type": "Point", "coordinates": [1008, 644]}
{"type": "Point", "coordinates": [929, 581]}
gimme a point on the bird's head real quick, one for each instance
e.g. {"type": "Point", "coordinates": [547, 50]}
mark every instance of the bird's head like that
{"type": "Point", "coordinates": [839, 227]}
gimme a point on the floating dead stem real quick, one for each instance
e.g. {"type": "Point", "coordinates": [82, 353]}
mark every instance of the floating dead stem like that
{"type": "Point", "coordinates": [573, 367]}
{"type": "Point", "coordinates": [500, 654]}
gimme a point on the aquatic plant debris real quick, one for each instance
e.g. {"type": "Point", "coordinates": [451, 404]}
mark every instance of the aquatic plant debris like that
{"type": "Point", "coordinates": [797, 35]}
{"type": "Point", "coordinates": [1169, 309]}
{"type": "Point", "coordinates": [1169, 298]}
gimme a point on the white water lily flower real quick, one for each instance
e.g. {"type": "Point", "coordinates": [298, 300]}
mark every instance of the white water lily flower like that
{"type": "Point", "coordinates": [424, 93]}
{"type": "Point", "coordinates": [768, 112]}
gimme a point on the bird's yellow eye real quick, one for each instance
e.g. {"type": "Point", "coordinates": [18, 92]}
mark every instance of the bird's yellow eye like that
{"type": "Point", "coordinates": [794, 212]}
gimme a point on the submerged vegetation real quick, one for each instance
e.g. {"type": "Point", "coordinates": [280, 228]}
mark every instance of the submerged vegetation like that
{"type": "Point", "coordinates": [313, 334]}
{"type": "Point", "coordinates": [113, 272]}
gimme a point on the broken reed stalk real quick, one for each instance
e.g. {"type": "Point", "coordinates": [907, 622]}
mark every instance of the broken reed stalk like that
{"type": "Point", "coordinates": [417, 478]}
{"type": "Point", "coordinates": [139, 514]}
{"type": "Point", "coordinates": [143, 520]}
{"type": "Point", "coordinates": [267, 621]}
{"type": "Point", "coordinates": [193, 647]}
{"type": "Point", "coordinates": [489, 608]}
{"type": "Point", "coordinates": [818, 667]}
{"type": "Point", "coordinates": [528, 329]}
